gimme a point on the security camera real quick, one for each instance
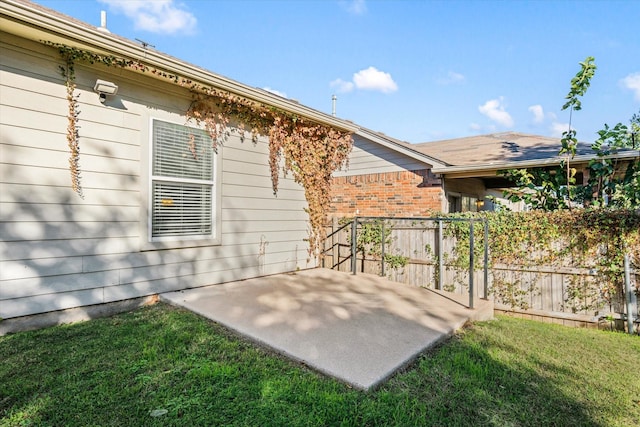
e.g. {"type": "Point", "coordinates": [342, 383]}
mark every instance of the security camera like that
{"type": "Point", "coordinates": [104, 88]}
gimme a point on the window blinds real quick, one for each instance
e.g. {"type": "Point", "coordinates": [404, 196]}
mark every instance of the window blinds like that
{"type": "Point", "coordinates": [182, 181]}
{"type": "Point", "coordinates": [181, 152]}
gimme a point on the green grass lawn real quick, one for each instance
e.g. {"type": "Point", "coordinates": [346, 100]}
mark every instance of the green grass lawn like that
{"type": "Point", "coordinates": [117, 371]}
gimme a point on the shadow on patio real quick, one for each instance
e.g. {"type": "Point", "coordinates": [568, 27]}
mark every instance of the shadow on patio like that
{"type": "Point", "coordinates": [360, 329]}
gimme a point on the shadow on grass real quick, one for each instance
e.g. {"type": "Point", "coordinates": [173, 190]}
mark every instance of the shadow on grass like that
{"type": "Point", "coordinates": [117, 371]}
{"type": "Point", "coordinates": [462, 384]}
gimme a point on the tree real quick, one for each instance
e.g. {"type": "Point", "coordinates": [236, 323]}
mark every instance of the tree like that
{"type": "Point", "coordinates": [539, 188]}
{"type": "Point", "coordinates": [610, 181]}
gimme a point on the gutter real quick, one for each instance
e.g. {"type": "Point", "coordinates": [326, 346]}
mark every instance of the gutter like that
{"type": "Point", "coordinates": [480, 170]}
{"type": "Point", "coordinates": [39, 23]}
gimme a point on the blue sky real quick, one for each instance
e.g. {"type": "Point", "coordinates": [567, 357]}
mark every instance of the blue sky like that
{"type": "Point", "coordinates": [415, 70]}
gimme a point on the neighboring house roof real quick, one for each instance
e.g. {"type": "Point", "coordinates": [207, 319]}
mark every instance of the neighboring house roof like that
{"type": "Point", "coordinates": [484, 154]}
{"type": "Point", "coordinates": [496, 148]}
{"type": "Point", "coordinates": [47, 24]}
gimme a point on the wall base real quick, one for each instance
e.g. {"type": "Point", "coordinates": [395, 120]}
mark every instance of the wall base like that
{"type": "Point", "coordinates": [72, 315]}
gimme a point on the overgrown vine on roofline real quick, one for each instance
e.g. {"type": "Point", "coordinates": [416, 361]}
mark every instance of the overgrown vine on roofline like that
{"type": "Point", "coordinates": [311, 151]}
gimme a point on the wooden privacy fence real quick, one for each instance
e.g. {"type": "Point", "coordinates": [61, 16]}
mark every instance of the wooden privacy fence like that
{"type": "Point", "coordinates": [420, 252]}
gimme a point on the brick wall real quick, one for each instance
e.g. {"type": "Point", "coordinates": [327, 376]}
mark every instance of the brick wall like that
{"type": "Point", "coordinates": [406, 193]}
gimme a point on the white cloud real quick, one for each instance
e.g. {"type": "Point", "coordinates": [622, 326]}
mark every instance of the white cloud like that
{"type": "Point", "coordinates": [452, 78]}
{"type": "Point", "coordinates": [538, 113]}
{"type": "Point", "coordinates": [557, 129]}
{"type": "Point", "coordinates": [373, 79]}
{"type": "Point", "coordinates": [632, 82]}
{"type": "Point", "coordinates": [275, 92]}
{"type": "Point", "coordinates": [342, 86]}
{"type": "Point", "coordinates": [156, 16]}
{"type": "Point", "coordinates": [494, 110]}
{"type": "Point", "coordinates": [356, 7]}
{"type": "Point", "coordinates": [368, 79]}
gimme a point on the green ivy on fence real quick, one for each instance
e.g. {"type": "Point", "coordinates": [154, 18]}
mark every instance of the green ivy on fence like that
{"type": "Point", "coordinates": [369, 242]}
{"type": "Point", "coordinates": [594, 239]}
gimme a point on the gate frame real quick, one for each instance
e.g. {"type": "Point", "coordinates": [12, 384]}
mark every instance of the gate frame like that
{"type": "Point", "coordinates": [368, 219]}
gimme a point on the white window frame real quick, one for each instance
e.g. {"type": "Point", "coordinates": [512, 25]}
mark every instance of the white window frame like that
{"type": "Point", "coordinates": [177, 241]}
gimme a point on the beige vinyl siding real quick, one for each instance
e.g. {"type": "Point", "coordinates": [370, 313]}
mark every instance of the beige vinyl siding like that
{"type": "Point", "coordinates": [59, 251]}
{"type": "Point", "coordinates": [368, 157]}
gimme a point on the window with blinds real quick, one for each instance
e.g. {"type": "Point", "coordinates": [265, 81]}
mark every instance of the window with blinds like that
{"type": "Point", "coordinates": [182, 182]}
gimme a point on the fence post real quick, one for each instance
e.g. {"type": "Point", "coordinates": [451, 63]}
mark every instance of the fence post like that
{"type": "Point", "coordinates": [382, 250]}
{"type": "Point", "coordinates": [440, 255]}
{"type": "Point", "coordinates": [354, 246]}
{"type": "Point", "coordinates": [627, 291]}
{"type": "Point", "coordinates": [323, 252]}
{"type": "Point", "coordinates": [486, 259]}
{"type": "Point", "coordinates": [335, 255]}
{"type": "Point", "coordinates": [471, 261]}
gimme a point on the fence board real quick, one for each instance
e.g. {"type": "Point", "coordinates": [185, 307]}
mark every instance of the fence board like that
{"type": "Point", "coordinates": [418, 240]}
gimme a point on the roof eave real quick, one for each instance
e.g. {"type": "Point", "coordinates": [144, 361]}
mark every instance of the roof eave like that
{"type": "Point", "coordinates": [491, 169]}
{"type": "Point", "coordinates": [37, 24]}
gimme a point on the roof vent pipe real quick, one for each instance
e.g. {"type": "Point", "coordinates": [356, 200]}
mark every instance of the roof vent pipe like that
{"type": "Point", "coordinates": [103, 22]}
{"type": "Point", "coordinates": [333, 105]}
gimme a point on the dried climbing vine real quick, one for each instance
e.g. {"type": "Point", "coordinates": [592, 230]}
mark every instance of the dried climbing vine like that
{"type": "Point", "coordinates": [73, 135]}
{"type": "Point", "coordinates": [311, 151]}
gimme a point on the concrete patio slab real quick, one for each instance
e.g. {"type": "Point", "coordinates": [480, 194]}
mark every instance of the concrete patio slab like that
{"type": "Point", "coordinates": [357, 328]}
